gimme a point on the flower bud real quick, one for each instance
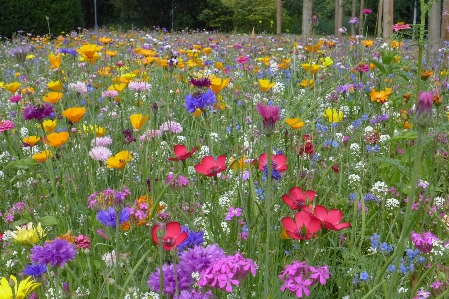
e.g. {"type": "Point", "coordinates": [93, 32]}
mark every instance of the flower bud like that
{"type": "Point", "coordinates": [161, 230]}
{"type": "Point", "coordinates": [423, 112]}
{"type": "Point", "coordinates": [314, 21]}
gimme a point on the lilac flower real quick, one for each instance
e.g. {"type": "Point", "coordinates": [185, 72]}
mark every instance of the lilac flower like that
{"type": "Point", "coordinates": [178, 182]}
{"type": "Point", "coordinates": [79, 87]}
{"type": "Point", "coordinates": [185, 280]}
{"type": "Point", "coordinates": [302, 286]}
{"type": "Point", "coordinates": [38, 112]}
{"type": "Point", "coordinates": [139, 86]}
{"type": "Point", "coordinates": [227, 272]}
{"type": "Point", "coordinates": [55, 253]}
{"type": "Point", "coordinates": [101, 141]}
{"type": "Point", "coordinates": [108, 217]}
{"type": "Point", "coordinates": [193, 238]}
{"type": "Point", "coordinates": [200, 258]}
{"type": "Point", "coordinates": [194, 295]}
{"type": "Point", "coordinates": [354, 20]}
{"type": "Point", "coordinates": [320, 273]}
{"type": "Point", "coordinates": [100, 153]}
{"type": "Point", "coordinates": [199, 101]}
{"type": "Point", "coordinates": [298, 277]}
{"type": "Point", "coordinates": [233, 212]}
{"type": "Point", "coordinates": [171, 126]}
{"type": "Point", "coordinates": [150, 134]}
{"type": "Point", "coordinates": [36, 270]}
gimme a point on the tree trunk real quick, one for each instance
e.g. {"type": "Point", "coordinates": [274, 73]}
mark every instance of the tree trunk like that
{"type": "Point", "coordinates": [379, 18]}
{"type": "Point", "coordinates": [338, 17]}
{"type": "Point", "coordinates": [434, 32]}
{"type": "Point", "coordinates": [353, 11]}
{"type": "Point", "coordinates": [361, 16]}
{"type": "Point", "coordinates": [388, 19]}
{"type": "Point", "coordinates": [306, 18]}
{"type": "Point", "coordinates": [278, 16]}
{"type": "Point", "coordinates": [444, 29]}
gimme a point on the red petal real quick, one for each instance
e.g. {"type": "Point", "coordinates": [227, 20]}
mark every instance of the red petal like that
{"type": "Point", "coordinates": [181, 238]}
{"type": "Point", "coordinates": [289, 224]}
{"type": "Point", "coordinates": [342, 226]}
{"type": "Point", "coordinates": [320, 212]}
{"type": "Point", "coordinates": [294, 236]}
{"type": "Point", "coordinates": [173, 230]}
{"type": "Point", "coordinates": [302, 219]}
{"type": "Point", "coordinates": [262, 161]}
{"type": "Point", "coordinates": [334, 216]}
{"type": "Point", "coordinates": [180, 150]}
{"type": "Point", "coordinates": [173, 159]}
{"type": "Point", "coordinates": [154, 234]}
{"type": "Point", "coordinates": [221, 162]}
{"type": "Point", "coordinates": [313, 226]}
{"type": "Point", "coordinates": [289, 202]}
{"type": "Point", "coordinates": [310, 195]}
{"type": "Point", "coordinates": [296, 194]}
{"type": "Point", "coordinates": [280, 159]}
{"type": "Point", "coordinates": [208, 162]}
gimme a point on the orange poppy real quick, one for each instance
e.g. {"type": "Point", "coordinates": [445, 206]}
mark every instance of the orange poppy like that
{"type": "Point", "coordinates": [57, 139]}
{"type": "Point", "coordinates": [74, 114]}
{"type": "Point", "coordinates": [53, 97]}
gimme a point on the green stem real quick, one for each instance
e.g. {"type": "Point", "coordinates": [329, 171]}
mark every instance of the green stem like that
{"type": "Point", "coordinates": [117, 253]}
{"type": "Point", "coordinates": [11, 149]}
{"type": "Point", "coordinates": [268, 218]}
{"type": "Point", "coordinates": [161, 262]}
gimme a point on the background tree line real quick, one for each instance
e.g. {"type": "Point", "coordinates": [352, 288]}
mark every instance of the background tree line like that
{"type": "Point", "coordinates": [222, 15]}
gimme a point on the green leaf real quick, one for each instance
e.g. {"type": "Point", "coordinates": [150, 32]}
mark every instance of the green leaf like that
{"type": "Point", "coordinates": [405, 135]}
{"type": "Point", "coordinates": [379, 66]}
{"type": "Point", "coordinates": [22, 163]}
{"type": "Point", "coordinates": [48, 221]}
{"type": "Point", "coordinates": [385, 162]}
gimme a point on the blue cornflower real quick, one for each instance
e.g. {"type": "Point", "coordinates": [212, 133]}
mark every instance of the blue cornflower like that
{"type": "Point", "coordinates": [274, 173]}
{"type": "Point", "coordinates": [364, 276]}
{"type": "Point", "coordinates": [193, 238]}
{"type": "Point", "coordinates": [352, 196]}
{"type": "Point", "coordinates": [36, 270]}
{"type": "Point", "coordinates": [199, 101]}
{"type": "Point", "coordinates": [390, 268]}
{"type": "Point", "coordinates": [403, 268]}
{"type": "Point", "coordinates": [375, 240]}
{"type": "Point", "coordinates": [108, 217]}
{"type": "Point", "coordinates": [327, 143]}
{"type": "Point", "coordinates": [334, 143]}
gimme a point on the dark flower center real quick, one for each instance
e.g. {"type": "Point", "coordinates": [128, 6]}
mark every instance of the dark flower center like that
{"type": "Point", "coordinates": [213, 170]}
{"type": "Point", "coordinates": [169, 242]}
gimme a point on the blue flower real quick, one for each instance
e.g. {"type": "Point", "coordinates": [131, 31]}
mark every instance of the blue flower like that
{"type": "Point", "coordinates": [199, 101]}
{"type": "Point", "coordinates": [36, 270]}
{"type": "Point", "coordinates": [108, 217]}
{"type": "Point", "coordinates": [364, 276]}
{"type": "Point", "coordinates": [193, 238]}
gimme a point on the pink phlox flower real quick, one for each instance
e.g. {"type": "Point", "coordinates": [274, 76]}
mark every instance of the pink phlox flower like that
{"type": "Point", "coordinates": [140, 215]}
{"type": "Point", "coordinates": [320, 274]}
{"type": "Point", "coordinates": [233, 212]}
{"type": "Point", "coordinates": [225, 282]}
{"type": "Point", "coordinates": [302, 286]}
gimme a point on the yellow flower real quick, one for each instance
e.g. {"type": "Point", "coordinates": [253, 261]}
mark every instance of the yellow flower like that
{"type": "Point", "coordinates": [395, 44]}
{"type": "Point", "coordinates": [207, 51]}
{"type": "Point", "coordinates": [367, 43]}
{"type": "Point", "coordinates": [294, 123]}
{"type": "Point", "coordinates": [333, 115]}
{"type": "Point", "coordinates": [111, 53]}
{"type": "Point", "coordinates": [217, 84]}
{"type": "Point", "coordinates": [307, 83]}
{"type": "Point", "coordinates": [28, 234]}
{"type": "Point", "coordinates": [118, 87]}
{"type": "Point", "coordinates": [13, 87]}
{"type": "Point", "coordinates": [74, 114]}
{"type": "Point", "coordinates": [21, 291]}
{"type": "Point", "coordinates": [57, 139]}
{"type": "Point", "coordinates": [380, 96]}
{"type": "Point", "coordinates": [315, 67]}
{"type": "Point", "coordinates": [119, 160]}
{"type": "Point", "coordinates": [265, 85]}
{"type": "Point", "coordinates": [55, 61]}
{"type": "Point", "coordinates": [127, 77]}
{"type": "Point", "coordinates": [105, 40]}
{"type": "Point", "coordinates": [138, 120]}
{"type": "Point", "coordinates": [315, 48]}
{"type": "Point", "coordinates": [55, 85]}
{"type": "Point", "coordinates": [89, 52]}
{"type": "Point", "coordinates": [218, 65]}
{"type": "Point", "coordinates": [53, 97]}
{"type": "Point", "coordinates": [239, 164]}
{"type": "Point", "coordinates": [49, 125]}
{"type": "Point", "coordinates": [326, 61]}
{"type": "Point", "coordinates": [31, 140]}
{"type": "Point", "coordinates": [42, 156]}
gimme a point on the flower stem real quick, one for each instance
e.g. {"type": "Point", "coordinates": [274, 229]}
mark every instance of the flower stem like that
{"type": "Point", "coordinates": [161, 274]}
{"type": "Point", "coordinates": [268, 219]}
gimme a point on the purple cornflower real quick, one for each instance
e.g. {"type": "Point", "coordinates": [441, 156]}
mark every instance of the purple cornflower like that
{"type": "Point", "coordinates": [354, 20]}
{"type": "Point", "coordinates": [194, 295]}
{"type": "Point", "coordinates": [233, 212]}
{"type": "Point", "coordinates": [198, 258]}
{"type": "Point", "coordinates": [68, 51]}
{"type": "Point", "coordinates": [55, 253]}
{"type": "Point", "coordinates": [193, 238]}
{"type": "Point", "coordinates": [36, 270]}
{"type": "Point", "coordinates": [199, 101]}
{"type": "Point", "coordinates": [201, 82]}
{"type": "Point", "coordinates": [108, 217]}
{"type": "Point", "coordinates": [107, 197]}
{"type": "Point", "coordinates": [424, 241]}
{"type": "Point", "coordinates": [129, 137]}
{"type": "Point", "coordinates": [185, 280]}
{"type": "Point", "coordinates": [38, 112]}
{"type": "Point", "coordinates": [227, 272]}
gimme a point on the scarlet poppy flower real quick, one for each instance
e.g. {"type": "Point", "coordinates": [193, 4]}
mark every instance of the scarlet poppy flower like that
{"type": "Point", "coordinates": [173, 235]}
{"type": "Point", "coordinates": [303, 227]}
{"type": "Point", "coordinates": [182, 153]}
{"type": "Point", "coordinates": [330, 218]}
{"type": "Point", "coordinates": [211, 167]}
{"type": "Point", "coordinates": [296, 199]}
{"type": "Point", "coordinates": [277, 162]}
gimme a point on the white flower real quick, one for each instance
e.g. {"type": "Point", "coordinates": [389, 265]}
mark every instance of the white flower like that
{"type": "Point", "coordinates": [353, 178]}
{"type": "Point", "coordinates": [384, 138]}
{"type": "Point", "coordinates": [369, 129]}
{"type": "Point", "coordinates": [392, 203]}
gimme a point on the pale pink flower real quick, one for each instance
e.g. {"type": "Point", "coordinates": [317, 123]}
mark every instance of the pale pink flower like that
{"type": "Point", "coordinates": [100, 153]}
{"type": "Point", "coordinates": [79, 87]}
{"type": "Point", "coordinates": [109, 94]}
{"type": "Point", "coordinates": [139, 86]}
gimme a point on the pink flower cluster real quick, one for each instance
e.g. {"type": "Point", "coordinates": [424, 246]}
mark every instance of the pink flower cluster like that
{"type": "Point", "coordinates": [298, 277]}
{"type": "Point", "coordinates": [226, 272]}
{"type": "Point", "coordinates": [401, 26]}
{"type": "Point", "coordinates": [424, 242]}
{"type": "Point", "coordinates": [6, 125]}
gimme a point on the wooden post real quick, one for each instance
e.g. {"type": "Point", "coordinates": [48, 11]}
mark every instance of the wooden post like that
{"type": "Point", "coordinates": [306, 18]}
{"type": "Point", "coordinates": [278, 16]}
{"type": "Point", "coordinates": [361, 16]}
{"type": "Point", "coordinates": [434, 32]}
{"type": "Point", "coordinates": [387, 19]}
{"type": "Point", "coordinates": [379, 18]}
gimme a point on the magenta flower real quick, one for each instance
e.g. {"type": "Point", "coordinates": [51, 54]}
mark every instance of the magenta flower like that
{"type": "Point", "coordinates": [6, 125]}
{"type": "Point", "coordinates": [16, 98]}
{"type": "Point", "coordinates": [366, 11]}
{"type": "Point", "coordinates": [424, 242]}
{"type": "Point", "coordinates": [270, 115]}
{"type": "Point", "coordinates": [233, 212]}
{"type": "Point", "coordinates": [423, 112]}
{"type": "Point", "coordinates": [401, 26]}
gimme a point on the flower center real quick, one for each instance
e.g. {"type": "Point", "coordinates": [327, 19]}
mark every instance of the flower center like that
{"type": "Point", "coordinates": [169, 242]}
{"type": "Point", "coordinates": [213, 170]}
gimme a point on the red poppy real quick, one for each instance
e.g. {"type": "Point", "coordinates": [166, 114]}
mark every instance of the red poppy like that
{"type": "Point", "coordinates": [296, 199]}
{"type": "Point", "coordinates": [182, 153]}
{"type": "Point", "coordinates": [211, 167]}
{"type": "Point", "coordinates": [173, 235]}
{"type": "Point", "coordinates": [330, 218]}
{"type": "Point", "coordinates": [278, 162]}
{"type": "Point", "coordinates": [303, 227]}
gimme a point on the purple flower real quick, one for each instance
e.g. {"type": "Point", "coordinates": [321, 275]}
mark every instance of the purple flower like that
{"type": "Point", "coordinates": [36, 270]}
{"type": "Point", "coordinates": [171, 126]}
{"type": "Point", "coordinates": [270, 115]}
{"type": "Point", "coordinates": [185, 279]}
{"type": "Point", "coordinates": [201, 82]}
{"type": "Point", "coordinates": [424, 241]}
{"type": "Point", "coordinates": [423, 112]}
{"type": "Point", "coordinates": [354, 20]}
{"type": "Point", "coordinates": [199, 101]}
{"type": "Point", "coordinates": [193, 238]}
{"type": "Point", "coordinates": [108, 217]}
{"type": "Point", "coordinates": [320, 273]}
{"type": "Point", "coordinates": [101, 141]}
{"type": "Point", "coordinates": [55, 253]}
{"type": "Point", "coordinates": [178, 182]}
{"type": "Point", "coordinates": [302, 286]}
{"type": "Point", "coordinates": [194, 295]}
{"type": "Point", "coordinates": [38, 112]}
{"type": "Point", "coordinates": [233, 212]}
{"type": "Point", "coordinates": [200, 258]}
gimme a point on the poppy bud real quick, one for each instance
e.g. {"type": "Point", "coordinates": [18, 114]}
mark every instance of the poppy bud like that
{"type": "Point", "coordinates": [423, 111]}
{"type": "Point", "coordinates": [161, 230]}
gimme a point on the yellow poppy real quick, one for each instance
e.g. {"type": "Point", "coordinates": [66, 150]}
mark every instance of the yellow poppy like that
{"type": "Point", "coordinates": [57, 139]}
{"type": "Point", "coordinates": [49, 125]}
{"type": "Point", "coordinates": [217, 84]}
{"type": "Point", "coordinates": [74, 114]}
{"type": "Point", "coordinates": [307, 83]}
{"type": "Point", "coordinates": [138, 120]}
{"type": "Point", "coordinates": [42, 156]}
{"type": "Point", "coordinates": [99, 131]}
{"type": "Point", "coordinates": [265, 85]}
{"type": "Point", "coordinates": [13, 86]}
{"type": "Point", "coordinates": [31, 140]}
{"type": "Point", "coordinates": [294, 123]}
{"type": "Point", "coordinates": [207, 51]}
{"type": "Point", "coordinates": [27, 90]}
{"type": "Point", "coordinates": [105, 40]}
{"type": "Point", "coordinates": [313, 70]}
{"type": "Point", "coordinates": [333, 115]}
{"type": "Point", "coordinates": [367, 43]}
{"type": "Point", "coordinates": [21, 290]}
{"type": "Point", "coordinates": [315, 48]}
{"type": "Point", "coordinates": [55, 61]}
{"type": "Point", "coordinates": [240, 164]}
{"type": "Point", "coordinates": [218, 65]}
{"type": "Point", "coordinates": [89, 52]}
{"type": "Point", "coordinates": [55, 85]}
{"type": "Point", "coordinates": [119, 160]}
{"type": "Point", "coordinates": [53, 97]}
{"type": "Point", "coordinates": [117, 87]}
{"type": "Point", "coordinates": [111, 53]}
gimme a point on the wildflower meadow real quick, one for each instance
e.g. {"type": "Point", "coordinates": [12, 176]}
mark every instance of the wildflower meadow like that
{"type": "Point", "coordinates": [148, 164]}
